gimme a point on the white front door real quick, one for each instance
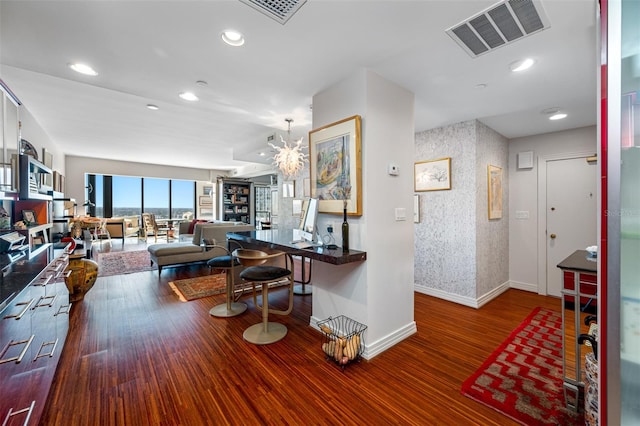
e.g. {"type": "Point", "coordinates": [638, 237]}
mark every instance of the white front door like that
{"type": "Point", "coordinates": [571, 208]}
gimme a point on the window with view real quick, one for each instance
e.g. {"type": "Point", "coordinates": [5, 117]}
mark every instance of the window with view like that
{"type": "Point", "coordinates": [182, 196]}
{"type": "Point", "coordinates": [156, 197]}
{"type": "Point", "coordinates": [126, 196]}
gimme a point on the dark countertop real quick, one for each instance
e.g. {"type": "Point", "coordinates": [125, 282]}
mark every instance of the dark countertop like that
{"type": "Point", "coordinates": [19, 269]}
{"type": "Point", "coordinates": [580, 261]}
{"type": "Point", "coordinates": [280, 239]}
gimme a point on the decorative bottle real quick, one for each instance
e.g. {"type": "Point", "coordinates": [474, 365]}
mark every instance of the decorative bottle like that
{"type": "Point", "coordinates": [345, 232]}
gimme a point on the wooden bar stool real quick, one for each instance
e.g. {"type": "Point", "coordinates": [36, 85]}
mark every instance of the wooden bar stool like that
{"type": "Point", "coordinates": [227, 263]}
{"type": "Point", "coordinates": [257, 273]}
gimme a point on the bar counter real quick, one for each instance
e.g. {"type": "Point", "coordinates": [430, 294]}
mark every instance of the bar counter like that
{"type": "Point", "coordinates": [281, 239]}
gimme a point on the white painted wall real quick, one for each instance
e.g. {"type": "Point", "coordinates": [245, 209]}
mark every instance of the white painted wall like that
{"type": "Point", "coordinates": [32, 132]}
{"type": "Point", "coordinates": [379, 291]}
{"type": "Point", "coordinates": [523, 191]}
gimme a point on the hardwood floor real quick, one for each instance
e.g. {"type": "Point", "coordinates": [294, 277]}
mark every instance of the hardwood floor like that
{"type": "Point", "coordinates": [136, 355]}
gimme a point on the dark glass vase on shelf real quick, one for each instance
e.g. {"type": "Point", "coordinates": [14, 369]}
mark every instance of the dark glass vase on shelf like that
{"type": "Point", "coordinates": [345, 232]}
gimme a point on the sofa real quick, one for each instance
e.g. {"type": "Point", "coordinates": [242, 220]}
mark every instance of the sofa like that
{"type": "Point", "coordinates": [199, 248]}
{"type": "Point", "coordinates": [123, 227]}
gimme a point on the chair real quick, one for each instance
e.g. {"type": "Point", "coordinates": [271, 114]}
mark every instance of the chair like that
{"type": "Point", "coordinates": [97, 228]}
{"type": "Point", "coordinates": [150, 227]}
{"type": "Point", "coordinates": [257, 273]}
{"type": "Point", "coordinates": [228, 263]}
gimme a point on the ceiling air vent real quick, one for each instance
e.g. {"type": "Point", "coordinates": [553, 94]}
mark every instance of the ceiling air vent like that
{"type": "Point", "coordinates": [280, 10]}
{"type": "Point", "coordinates": [499, 25]}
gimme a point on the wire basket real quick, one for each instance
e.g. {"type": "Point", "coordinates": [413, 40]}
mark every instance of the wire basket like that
{"type": "Point", "coordinates": [343, 339]}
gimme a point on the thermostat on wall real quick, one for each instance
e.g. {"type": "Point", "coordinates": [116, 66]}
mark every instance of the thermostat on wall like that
{"type": "Point", "coordinates": [393, 170]}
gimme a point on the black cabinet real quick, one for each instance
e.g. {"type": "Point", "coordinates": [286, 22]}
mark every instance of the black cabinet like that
{"type": "Point", "coordinates": [236, 201]}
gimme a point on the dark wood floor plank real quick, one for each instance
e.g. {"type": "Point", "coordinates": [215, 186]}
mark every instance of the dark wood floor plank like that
{"type": "Point", "coordinates": [136, 355]}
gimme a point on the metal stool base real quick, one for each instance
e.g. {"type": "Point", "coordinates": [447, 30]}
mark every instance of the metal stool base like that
{"type": "Point", "coordinates": [302, 289]}
{"type": "Point", "coordinates": [222, 311]}
{"type": "Point", "coordinates": [257, 334]}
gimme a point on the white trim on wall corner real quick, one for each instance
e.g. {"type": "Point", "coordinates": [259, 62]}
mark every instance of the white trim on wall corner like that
{"type": "Point", "coordinates": [463, 300]}
{"type": "Point", "coordinates": [530, 287]}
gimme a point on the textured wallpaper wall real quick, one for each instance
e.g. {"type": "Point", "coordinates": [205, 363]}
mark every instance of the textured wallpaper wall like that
{"type": "Point", "coordinates": [457, 249]}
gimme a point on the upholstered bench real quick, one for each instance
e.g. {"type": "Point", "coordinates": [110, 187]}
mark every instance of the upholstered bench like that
{"type": "Point", "coordinates": [182, 253]}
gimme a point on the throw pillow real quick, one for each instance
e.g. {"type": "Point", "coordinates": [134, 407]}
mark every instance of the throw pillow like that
{"type": "Point", "coordinates": [192, 225]}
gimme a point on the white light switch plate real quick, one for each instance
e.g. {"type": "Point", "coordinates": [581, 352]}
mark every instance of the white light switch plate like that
{"type": "Point", "coordinates": [401, 213]}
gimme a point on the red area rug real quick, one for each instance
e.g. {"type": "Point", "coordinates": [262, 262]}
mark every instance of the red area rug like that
{"type": "Point", "coordinates": [522, 379]}
{"type": "Point", "coordinates": [122, 262]}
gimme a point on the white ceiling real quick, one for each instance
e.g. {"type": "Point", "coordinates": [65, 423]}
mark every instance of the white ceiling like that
{"type": "Point", "coordinates": [149, 51]}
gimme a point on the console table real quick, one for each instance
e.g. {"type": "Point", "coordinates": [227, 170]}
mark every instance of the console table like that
{"type": "Point", "coordinates": [579, 298]}
{"type": "Point", "coordinates": [281, 239]}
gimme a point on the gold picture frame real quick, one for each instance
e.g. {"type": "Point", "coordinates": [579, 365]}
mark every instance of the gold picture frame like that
{"type": "Point", "coordinates": [335, 163]}
{"type": "Point", "coordinates": [494, 183]}
{"type": "Point", "coordinates": [432, 175]}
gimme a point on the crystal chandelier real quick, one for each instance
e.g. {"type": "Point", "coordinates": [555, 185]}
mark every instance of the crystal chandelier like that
{"type": "Point", "coordinates": [289, 157]}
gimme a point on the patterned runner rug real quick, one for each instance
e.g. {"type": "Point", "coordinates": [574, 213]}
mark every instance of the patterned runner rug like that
{"type": "Point", "coordinates": [199, 287]}
{"type": "Point", "coordinates": [122, 262]}
{"type": "Point", "coordinates": [523, 377]}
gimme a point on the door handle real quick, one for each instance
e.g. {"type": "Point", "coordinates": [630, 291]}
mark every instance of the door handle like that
{"type": "Point", "coordinates": [553, 236]}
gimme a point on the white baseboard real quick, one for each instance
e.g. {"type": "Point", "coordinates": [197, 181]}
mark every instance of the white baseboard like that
{"type": "Point", "coordinates": [533, 288]}
{"type": "Point", "coordinates": [381, 345]}
{"type": "Point", "coordinates": [451, 297]}
{"type": "Point", "coordinates": [464, 300]}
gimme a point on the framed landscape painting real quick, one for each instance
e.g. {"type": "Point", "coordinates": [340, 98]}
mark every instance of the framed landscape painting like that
{"type": "Point", "coordinates": [335, 153]}
{"type": "Point", "coordinates": [432, 175]}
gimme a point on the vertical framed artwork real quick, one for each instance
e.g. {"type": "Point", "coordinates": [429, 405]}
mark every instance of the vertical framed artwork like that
{"type": "Point", "coordinates": [335, 153]}
{"type": "Point", "coordinates": [494, 182]}
{"type": "Point", "coordinates": [306, 187]}
{"type": "Point", "coordinates": [47, 160]}
{"type": "Point", "coordinates": [289, 189]}
{"type": "Point", "coordinates": [432, 175]}
{"type": "Point", "coordinates": [296, 210]}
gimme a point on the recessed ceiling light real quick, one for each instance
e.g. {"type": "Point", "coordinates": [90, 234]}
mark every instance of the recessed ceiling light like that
{"type": "Point", "coordinates": [201, 83]}
{"type": "Point", "coordinates": [481, 86]}
{"type": "Point", "coordinates": [188, 96]}
{"type": "Point", "coordinates": [554, 113]}
{"type": "Point", "coordinates": [232, 37]}
{"type": "Point", "coordinates": [83, 69]}
{"type": "Point", "coordinates": [153, 107]}
{"type": "Point", "coordinates": [550, 111]}
{"type": "Point", "coordinates": [521, 65]}
{"type": "Point", "coordinates": [262, 154]}
{"type": "Point", "coordinates": [558, 116]}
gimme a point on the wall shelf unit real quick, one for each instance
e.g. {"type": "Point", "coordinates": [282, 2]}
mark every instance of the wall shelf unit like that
{"type": "Point", "coordinates": [31, 178]}
{"type": "Point", "coordinates": [236, 200]}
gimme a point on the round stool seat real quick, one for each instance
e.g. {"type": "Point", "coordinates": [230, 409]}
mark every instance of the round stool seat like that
{"type": "Point", "coordinates": [223, 262]}
{"type": "Point", "coordinates": [264, 273]}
